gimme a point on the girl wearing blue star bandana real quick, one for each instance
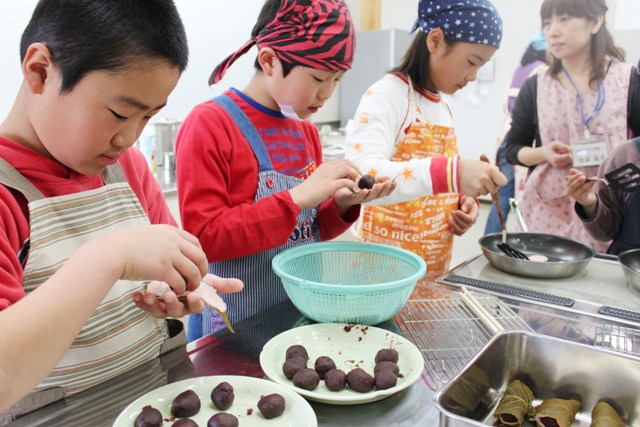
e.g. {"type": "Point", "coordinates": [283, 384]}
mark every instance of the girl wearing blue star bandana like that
{"type": "Point", "coordinates": [404, 129]}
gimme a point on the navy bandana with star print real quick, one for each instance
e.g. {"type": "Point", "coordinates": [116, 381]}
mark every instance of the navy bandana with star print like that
{"type": "Point", "coordinates": [472, 21]}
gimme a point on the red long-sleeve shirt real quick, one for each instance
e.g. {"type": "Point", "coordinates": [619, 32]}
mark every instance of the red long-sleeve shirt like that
{"type": "Point", "coordinates": [217, 176]}
{"type": "Point", "coordinates": [54, 179]}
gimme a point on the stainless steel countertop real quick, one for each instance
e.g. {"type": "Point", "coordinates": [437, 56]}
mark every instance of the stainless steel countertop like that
{"type": "Point", "coordinates": [238, 354]}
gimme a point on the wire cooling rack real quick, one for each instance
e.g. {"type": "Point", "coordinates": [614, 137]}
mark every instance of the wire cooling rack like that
{"type": "Point", "coordinates": [449, 333]}
{"type": "Point", "coordinates": [618, 338]}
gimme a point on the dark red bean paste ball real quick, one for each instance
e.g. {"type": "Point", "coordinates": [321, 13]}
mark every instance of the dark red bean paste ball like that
{"type": "Point", "coordinates": [335, 379]}
{"type": "Point", "coordinates": [222, 396]}
{"type": "Point", "coordinates": [149, 417]}
{"type": "Point", "coordinates": [271, 406]}
{"type": "Point", "coordinates": [293, 365]}
{"type": "Point", "coordinates": [186, 404]}
{"type": "Point", "coordinates": [223, 419]}
{"type": "Point", "coordinates": [359, 380]}
{"type": "Point", "coordinates": [324, 364]}
{"type": "Point", "coordinates": [307, 379]}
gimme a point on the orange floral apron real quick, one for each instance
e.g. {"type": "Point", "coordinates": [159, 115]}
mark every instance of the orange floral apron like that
{"type": "Point", "coordinates": [421, 225]}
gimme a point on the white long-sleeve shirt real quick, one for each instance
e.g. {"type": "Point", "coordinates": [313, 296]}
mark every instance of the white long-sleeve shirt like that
{"type": "Point", "coordinates": [393, 112]}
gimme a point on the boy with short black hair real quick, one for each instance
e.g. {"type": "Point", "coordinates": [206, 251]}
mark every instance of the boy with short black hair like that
{"type": "Point", "coordinates": [76, 204]}
{"type": "Point", "coordinates": [251, 182]}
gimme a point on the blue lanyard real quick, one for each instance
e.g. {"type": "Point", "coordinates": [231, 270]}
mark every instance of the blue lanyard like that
{"type": "Point", "coordinates": [602, 96]}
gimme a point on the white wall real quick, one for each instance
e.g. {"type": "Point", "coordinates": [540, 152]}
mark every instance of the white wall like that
{"type": "Point", "coordinates": [215, 28]}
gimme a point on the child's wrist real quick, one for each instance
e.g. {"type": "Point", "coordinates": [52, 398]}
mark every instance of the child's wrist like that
{"type": "Point", "coordinates": [112, 264]}
{"type": "Point", "coordinates": [589, 210]}
{"type": "Point", "coordinates": [298, 198]}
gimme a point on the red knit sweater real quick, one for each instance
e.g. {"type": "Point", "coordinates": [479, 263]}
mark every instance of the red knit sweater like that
{"type": "Point", "coordinates": [217, 175]}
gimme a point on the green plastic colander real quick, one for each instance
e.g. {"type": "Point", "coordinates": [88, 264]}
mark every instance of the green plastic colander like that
{"type": "Point", "coordinates": [348, 282]}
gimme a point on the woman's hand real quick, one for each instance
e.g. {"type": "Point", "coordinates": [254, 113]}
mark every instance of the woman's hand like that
{"type": "Point", "coordinates": [557, 154]}
{"type": "Point", "coordinates": [467, 214]}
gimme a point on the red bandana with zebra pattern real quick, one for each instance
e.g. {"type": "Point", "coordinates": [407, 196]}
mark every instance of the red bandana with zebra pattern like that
{"type": "Point", "coordinates": [313, 33]}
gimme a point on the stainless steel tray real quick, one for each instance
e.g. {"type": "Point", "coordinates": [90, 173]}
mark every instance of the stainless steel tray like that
{"type": "Point", "coordinates": [449, 333]}
{"type": "Point", "coordinates": [552, 368]}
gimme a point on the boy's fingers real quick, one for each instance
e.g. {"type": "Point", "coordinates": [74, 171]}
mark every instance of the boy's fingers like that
{"type": "Point", "coordinates": [223, 285]}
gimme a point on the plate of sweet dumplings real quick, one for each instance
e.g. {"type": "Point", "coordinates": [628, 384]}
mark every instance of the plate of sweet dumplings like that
{"type": "Point", "coordinates": [221, 400]}
{"type": "Point", "coordinates": [342, 364]}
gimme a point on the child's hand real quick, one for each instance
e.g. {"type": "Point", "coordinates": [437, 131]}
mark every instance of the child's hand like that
{"type": "Point", "coordinates": [466, 215]}
{"type": "Point", "coordinates": [382, 188]}
{"type": "Point", "coordinates": [156, 252]}
{"type": "Point", "coordinates": [478, 178]}
{"type": "Point", "coordinates": [582, 191]}
{"type": "Point", "coordinates": [169, 305]}
{"type": "Point", "coordinates": [324, 182]}
{"type": "Point", "coordinates": [557, 154]}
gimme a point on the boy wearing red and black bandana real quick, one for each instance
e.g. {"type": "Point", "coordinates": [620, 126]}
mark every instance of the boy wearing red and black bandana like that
{"type": "Point", "coordinates": [250, 176]}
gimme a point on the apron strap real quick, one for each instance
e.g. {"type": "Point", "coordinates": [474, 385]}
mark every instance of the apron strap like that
{"type": "Point", "coordinates": [248, 130]}
{"type": "Point", "coordinates": [11, 178]}
{"type": "Point", "coordinates": [113, 174]}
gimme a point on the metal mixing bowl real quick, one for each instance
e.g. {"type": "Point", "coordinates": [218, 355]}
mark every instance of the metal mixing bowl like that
{"type": "Point", "coordinates": [630, 262]}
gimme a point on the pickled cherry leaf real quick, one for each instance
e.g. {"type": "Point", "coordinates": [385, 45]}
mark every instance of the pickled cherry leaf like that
{"type": "Point", "coordinates": [514, 405]}
{"type": "Point", "coordinates": [603, 415]}
{"type": "Point", "coordinates": [562, 411]}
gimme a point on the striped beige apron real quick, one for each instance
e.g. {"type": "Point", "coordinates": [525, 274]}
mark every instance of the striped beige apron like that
{"type": "Point", "coordinates": [119, 336]}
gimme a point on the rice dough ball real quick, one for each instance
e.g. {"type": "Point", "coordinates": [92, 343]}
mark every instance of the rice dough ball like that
{"type": "Point", "coordinates": [387, 354]}
{"type": "Point", "coordinates": [335, 379]}
{"type": "Point", "coordinates": [307, 379]}
{"type": "Point", "coordinates": [359, 380]}
{"type": "Point", "coordinates": [323, 365]}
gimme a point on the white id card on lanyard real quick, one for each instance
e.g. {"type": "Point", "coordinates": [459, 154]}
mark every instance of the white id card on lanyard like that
{"type": "Point", "coordinates": [590, 151]}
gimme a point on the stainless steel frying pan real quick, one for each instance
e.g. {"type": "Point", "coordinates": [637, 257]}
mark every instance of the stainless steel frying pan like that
{"type": "Point", "coordinates": [630, 262]}
{"type": "Point", "coordinates": [561, 257]}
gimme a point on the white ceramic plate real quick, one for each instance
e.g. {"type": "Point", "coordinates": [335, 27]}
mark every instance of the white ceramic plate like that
{"type": "Point", "coordinates": [247, 392]}
{"type": "Point", "coordinates": [349, 346]}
